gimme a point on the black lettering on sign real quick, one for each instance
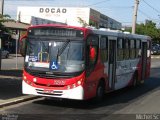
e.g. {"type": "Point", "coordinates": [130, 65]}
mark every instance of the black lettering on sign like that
{"type": "Point", "coordinates": [58, 10]}
{"type": "Point", "coordinates": [53, 10]}
{"type": "Point", "coordinates": [64, 10]}
{"type": "Point", "coordinates": [47, 10]}
{"type": "Point", "coordinates": [41, 10]}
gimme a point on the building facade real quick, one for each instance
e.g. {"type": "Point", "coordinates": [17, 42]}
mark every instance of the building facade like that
{"type": "Point", "coordinates": [75, 16]}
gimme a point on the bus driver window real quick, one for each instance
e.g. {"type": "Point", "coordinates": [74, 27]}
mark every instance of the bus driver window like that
{"type": "Point", "coordinates": [92, 53]}
{"type": "Point", "coordinates": [92, 46]}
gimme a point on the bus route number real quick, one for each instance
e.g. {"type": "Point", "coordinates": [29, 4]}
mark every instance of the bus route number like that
{"type": "Point", "coordinates": [59, 82]}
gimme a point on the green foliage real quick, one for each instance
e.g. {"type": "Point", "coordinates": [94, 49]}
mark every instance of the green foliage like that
{"type": "Point", "coordinates": [82, 22]}
{"type": "Point", "coordinates": [150, 29]}
{"type": "Point", "coordinates": [4, 18]}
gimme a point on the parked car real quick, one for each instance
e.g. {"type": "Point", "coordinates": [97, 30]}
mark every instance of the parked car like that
{"type": "Point", "coordinates": [155, 50]}
{"type": "Point", "coordinates": [4, 54]}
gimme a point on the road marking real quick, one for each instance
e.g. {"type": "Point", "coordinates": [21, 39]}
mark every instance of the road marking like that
{"type": "Point", "coordinates": [17, 100]}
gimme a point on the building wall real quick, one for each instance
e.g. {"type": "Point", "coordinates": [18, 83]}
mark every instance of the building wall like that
{"type": "Point", "coordinates": [75, 16]}
{"type": "Point", "coordinates": [68, 15]}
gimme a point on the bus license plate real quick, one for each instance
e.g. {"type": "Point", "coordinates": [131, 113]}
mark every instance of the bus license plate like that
{"type": "Point", "coordinates": [48, 91]}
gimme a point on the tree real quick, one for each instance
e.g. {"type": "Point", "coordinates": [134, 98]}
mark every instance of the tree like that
{"type": "Point", "coordinates": [4, 18]}
{"type": "Point", "coordinates": [150, 29]}
{"type": "Point", "coordinates": [82, 22]}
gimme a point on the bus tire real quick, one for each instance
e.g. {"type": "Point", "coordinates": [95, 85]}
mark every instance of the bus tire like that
{"type": "Point", "coordinates": [100, 91]}
{"type": "Point", "coordinates": [135, 79]}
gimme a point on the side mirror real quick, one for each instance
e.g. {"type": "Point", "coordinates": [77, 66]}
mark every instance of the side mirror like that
{"type": "Point", "coordinates": [23, 46]}
{"type": "Point", "coordinates": [92, 53]}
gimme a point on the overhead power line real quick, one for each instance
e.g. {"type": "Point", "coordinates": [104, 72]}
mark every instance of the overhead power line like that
{"type": "Point", "coordinates": [151, 7]}
{"type": "Point", "coordinates": [144, 14]}
{"type": "Point", "coordinates": [109, 6]}
{"type": "Point", "coordinates": [29, 0]}
{"type": "Point", "coordinates": [96, 3]}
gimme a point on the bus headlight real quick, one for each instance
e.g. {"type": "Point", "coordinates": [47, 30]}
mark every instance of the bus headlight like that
{"type": "Point", "coordinates": [24, 77]}
{"type": "Point", "coordinates": [34, 79]}
{"type": "Point", "coordinates": [79, 82]}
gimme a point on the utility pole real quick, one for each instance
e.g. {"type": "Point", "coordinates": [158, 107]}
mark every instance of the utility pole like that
{"type": "Point", "coordinates": [1, 12]}
{"type": "Point", "coordinates": [1, 6]}
{"type": "Point", "coordinates": [135, 16]}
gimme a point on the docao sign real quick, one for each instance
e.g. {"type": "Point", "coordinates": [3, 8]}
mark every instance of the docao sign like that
{"type": "Point", "coordinates": [53, 10]}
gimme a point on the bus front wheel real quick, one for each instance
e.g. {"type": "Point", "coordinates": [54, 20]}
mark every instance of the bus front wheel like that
{"type": "Point", "coordinates": [100, 92]}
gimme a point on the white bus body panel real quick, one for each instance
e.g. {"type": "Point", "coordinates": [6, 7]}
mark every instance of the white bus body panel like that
{"type": "Point", "coordinates": [75, 93]}
{"type": "Point", "coordinates": [124, 72]}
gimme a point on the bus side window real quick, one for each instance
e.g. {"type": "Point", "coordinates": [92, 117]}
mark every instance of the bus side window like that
{"type": "Point", "coordinates": [149, 45]}
{"type": "Point", "coordinates": [104, 48]}
{"type": "Point", "coordinates": [92, 50]}
{"type": "Point", "coordinates": [132, 49]}
{"type": "Point", "coordinates": [120, 49]}
{"type": "Point", "coordinates": [126, 49]}
{"type": "Point", "coordinates": [138, 48]}
{"type": "Point", "coordinates": [148, 48]}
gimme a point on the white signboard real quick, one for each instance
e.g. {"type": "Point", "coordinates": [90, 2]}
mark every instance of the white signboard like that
{"type": "Point", "coordinates": [67, 15]}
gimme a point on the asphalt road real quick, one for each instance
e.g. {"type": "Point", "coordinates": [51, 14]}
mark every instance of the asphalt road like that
{"type": "Point", "coordinates": [128, 103]}
{"type": "Point", "coordinates": [11, 78]}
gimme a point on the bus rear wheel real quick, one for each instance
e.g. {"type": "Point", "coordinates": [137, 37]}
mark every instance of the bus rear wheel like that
{"type": "Point", "coordinates": [135, 79]}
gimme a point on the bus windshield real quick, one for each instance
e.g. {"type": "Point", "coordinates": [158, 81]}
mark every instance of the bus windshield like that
{"type": "Point", "coordinates": [64, 56]}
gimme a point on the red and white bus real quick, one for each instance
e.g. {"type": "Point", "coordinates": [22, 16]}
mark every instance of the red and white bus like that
{"type": "Point", "coordinates": [81, 63]}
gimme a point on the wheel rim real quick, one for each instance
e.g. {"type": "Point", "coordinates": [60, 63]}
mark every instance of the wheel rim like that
{"type": "Point", "coordinates": [100, 92]}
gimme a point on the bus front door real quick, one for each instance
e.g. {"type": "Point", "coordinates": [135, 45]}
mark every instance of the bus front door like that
{"type": "Point", "coordinates": [144, 60]}
{"type": "Point", "coordinates": [112, 63]}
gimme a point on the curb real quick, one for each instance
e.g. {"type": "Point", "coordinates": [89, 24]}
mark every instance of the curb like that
{"type": "Point", "coordinates": [18, 100]}
{"type": "Point", "coordinates": [10, 77]}
{"type": "Point", "coordinates": [155, 57]}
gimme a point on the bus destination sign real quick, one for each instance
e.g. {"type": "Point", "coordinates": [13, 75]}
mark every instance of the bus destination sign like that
{"type": "Point", "coordinates": [52, 31]}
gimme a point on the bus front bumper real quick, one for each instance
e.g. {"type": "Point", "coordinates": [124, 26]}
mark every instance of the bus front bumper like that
{"type": "Point", "coordinates": [75, 93]}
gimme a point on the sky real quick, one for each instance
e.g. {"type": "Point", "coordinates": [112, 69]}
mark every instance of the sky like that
{"type": "Point", "coordinates": [120, 10]}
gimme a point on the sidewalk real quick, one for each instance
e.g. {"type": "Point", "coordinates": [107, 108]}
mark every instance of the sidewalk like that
{"type": "Point", "coordinates": [14, 55]}
{"type": "Point", "coordinates": [155, 56]}
{"type": "Point", "coordinates": [11, 88]}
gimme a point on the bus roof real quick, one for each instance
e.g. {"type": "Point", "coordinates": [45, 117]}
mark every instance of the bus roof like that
{"type": "Point", "coordinates": [107, 32]}
{"type": "Point", "coordinates": [118, 33]}
{"type": "Point", "coordinates": [57, 25]}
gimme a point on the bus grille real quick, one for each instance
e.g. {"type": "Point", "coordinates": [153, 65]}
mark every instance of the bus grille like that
{"type": "Point", "coordinates": [45, 85]}
{"type": "Point", "coordinates": [49, 92]}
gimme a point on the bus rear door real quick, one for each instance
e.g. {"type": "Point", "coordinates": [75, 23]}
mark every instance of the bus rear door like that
{"type": "Point", "coordinates": [112, 61]}
{"type": "Point", "coordinates": [144, 60]}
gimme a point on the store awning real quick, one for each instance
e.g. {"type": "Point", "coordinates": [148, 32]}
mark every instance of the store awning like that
{"type": "Point", "coordinates": [16, 25]}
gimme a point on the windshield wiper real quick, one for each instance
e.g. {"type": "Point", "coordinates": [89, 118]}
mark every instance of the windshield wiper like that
{"type": "Point", "coordinates": [61, 50]}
